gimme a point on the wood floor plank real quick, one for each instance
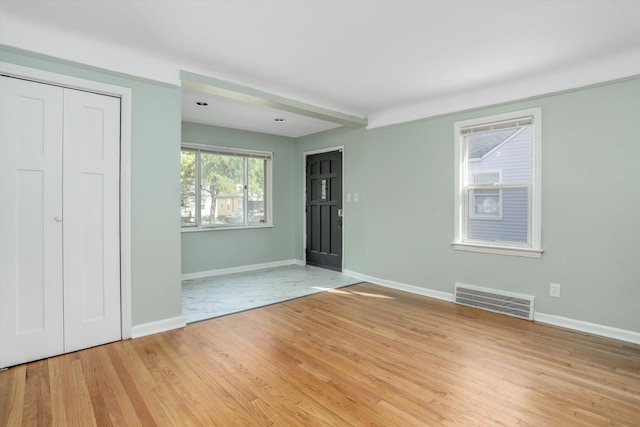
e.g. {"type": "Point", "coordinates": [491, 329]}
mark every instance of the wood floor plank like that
{"type": "Point", "coordinates": [12, 384]}
{"type": "Point", "coordinates": [37, 408]}
{"type": "Point", "coordinates": [94, 381]}
{"type": "Point", "coordinates": [170, 392]}
{"type": "Point", "coordinates": [140, 386]}
{"type": "Point", "coordinates": [280, 363]}
{"type": "Point", "coordinates": [247, 361]}
{"type": "Point", "coordinates": [393, 375]}
{"type": "Point", "coordinates": [200, 393]}
{"type": "Point", "coordinates": [355, 356]}
{"type": "Point", "coordinates": [84, 413]}
{"type": "Point", "coordinates": [107, 390]}
{"type": "Point", "coordinates": [58, 392]}
{"type": "Point", "coordinates": [388, 380]}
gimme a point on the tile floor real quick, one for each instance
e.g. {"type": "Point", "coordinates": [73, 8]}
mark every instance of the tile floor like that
{"type": "Point", "coordinates": [215, 296]}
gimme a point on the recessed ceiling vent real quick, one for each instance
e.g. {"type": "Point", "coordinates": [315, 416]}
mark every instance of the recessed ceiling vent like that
{"type": "Point", "coordinates": [516, 305]}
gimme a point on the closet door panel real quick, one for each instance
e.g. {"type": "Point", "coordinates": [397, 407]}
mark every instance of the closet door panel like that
{"type": "Point", "coordinates": [31, 277]}
{"type": "Point", "coordinates": [92, 228]}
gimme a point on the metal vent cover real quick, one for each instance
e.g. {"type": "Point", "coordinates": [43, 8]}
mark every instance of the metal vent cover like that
{"type": "Point", "coordinates": [516, 305]}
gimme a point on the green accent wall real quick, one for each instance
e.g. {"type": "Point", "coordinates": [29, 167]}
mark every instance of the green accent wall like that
{"type": "Point", "coordinates": [402, 226]}
{"type": "Point", "coordinates": [216, 249]}
{"type": "Point", "coordinates": [155, 186]}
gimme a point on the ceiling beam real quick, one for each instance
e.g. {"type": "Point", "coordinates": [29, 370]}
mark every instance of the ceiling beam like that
{"type": "Point", "coordinates": [238, 92]}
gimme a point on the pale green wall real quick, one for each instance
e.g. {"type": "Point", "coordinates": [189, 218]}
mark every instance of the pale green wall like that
{"type": "Point", "coordinates": [155, 188]}
{"type": "Point", "coordinates": [210, 250]}
{"type": "Point", "coordinates": [402, 227]}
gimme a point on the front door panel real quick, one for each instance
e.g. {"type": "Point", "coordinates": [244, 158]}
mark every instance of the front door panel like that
{"type": "Point", "coordinates": [324, 210]}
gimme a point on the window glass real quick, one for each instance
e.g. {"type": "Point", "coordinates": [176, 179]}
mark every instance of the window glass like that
{"type": "Point", "coordinates": [222, 178]}
{"type": "Point", "coordinates": [257, 181]}
{"type": "Point", "coordinates": [510, 220]}
{"type": "Point", "coordinates": [498, 185]}
{"type": "Point", "coordinates": [484, 178]}
{"type": "Point", "coordinates": [188, 186]}
{"type": "Point", "coordinates": [509, 152]}
{"type": "Point", "coordinates": [230, 189]}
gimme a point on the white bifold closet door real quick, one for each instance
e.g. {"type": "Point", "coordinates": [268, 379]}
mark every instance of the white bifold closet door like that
{"type": "Point", "coordinates": [59, 220]}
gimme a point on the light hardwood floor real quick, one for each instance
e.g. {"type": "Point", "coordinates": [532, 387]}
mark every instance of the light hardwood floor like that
{"type": "Point", "coordinates": [361, 355]}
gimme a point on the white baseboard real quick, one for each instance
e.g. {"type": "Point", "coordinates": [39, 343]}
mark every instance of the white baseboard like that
{"type": "Point", "coordinates": [564, 322]}
{"type": "Point", "coordinates": [158, 326]}
{"type": "Point", "coordinates": [588, 327]}
{"type": "Point", "coordinates": [241, 269]}
{"type": "Point", "coordinates": [401, 286]}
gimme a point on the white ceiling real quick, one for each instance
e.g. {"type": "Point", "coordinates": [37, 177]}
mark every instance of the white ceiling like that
{"type": "Point", "coordinates": [236, 114]}
{"type": "Point", "coordinates": [388, 61]}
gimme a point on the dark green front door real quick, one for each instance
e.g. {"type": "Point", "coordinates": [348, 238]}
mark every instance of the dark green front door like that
{"type": "Point", "coordinates": [324, 210]}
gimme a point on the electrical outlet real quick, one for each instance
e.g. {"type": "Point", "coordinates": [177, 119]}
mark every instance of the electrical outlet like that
{"type": "Point", "coordinates": [554, 290]}
{"type": "Point", "coordinates": [355, 197]}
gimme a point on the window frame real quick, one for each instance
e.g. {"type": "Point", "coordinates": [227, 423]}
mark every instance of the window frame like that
{"type": "Point", "coordinates": [238, 152]}
{"type": "Point", "coordinates": [533, 247]}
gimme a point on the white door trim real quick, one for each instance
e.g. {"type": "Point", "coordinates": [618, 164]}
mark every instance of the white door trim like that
{"type": "Point", "coordinates": [124, 94]}
{"type": "Point", "coordinates": [304, 197]}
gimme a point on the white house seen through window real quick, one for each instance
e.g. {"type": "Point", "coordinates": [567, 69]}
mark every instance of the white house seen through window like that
{"type": "Point", "coordinates": [498, 184]}
{"type": "Point", "coordinates": [231, 188]}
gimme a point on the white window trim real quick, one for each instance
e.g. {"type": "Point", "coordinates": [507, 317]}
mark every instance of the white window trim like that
{"type": "Point", "coordinates": [268, 184]}
{"type": "Point", "coordinates": [532, 249]}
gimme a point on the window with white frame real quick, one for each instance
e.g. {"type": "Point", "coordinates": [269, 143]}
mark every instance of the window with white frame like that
{"type": "Point", "coordinates": [497, 162]}
{"type": "Point", "coordinates": [231, 187]}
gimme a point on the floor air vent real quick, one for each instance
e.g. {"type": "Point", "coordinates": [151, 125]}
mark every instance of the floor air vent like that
{"type": "Point", "coordinates": [508, 303]}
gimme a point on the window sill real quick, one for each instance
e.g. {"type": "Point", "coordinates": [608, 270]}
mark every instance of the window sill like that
{"type": "Point", "coordinates": [243, 227]}
{"type": "Point", "coordinates": [498, 250]}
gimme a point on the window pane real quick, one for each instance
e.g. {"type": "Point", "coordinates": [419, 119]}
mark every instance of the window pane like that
{"type": "Point", "coordinates": [222, 191]}
{"type": "Point", "coordinates": [187, 188]}
{"type": "Point", "coordinates": [485, 203]}
{"type": "Point", "coordinates": [486, 177]}
{"type": "Point", "coordinates": [512, 226]}
{"type": "Point", "coordinates": [497, 178]}
{"type": "Point", "coordinates": [256, 204]}
{"type": "Point", "coordinates": [508, 151]}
